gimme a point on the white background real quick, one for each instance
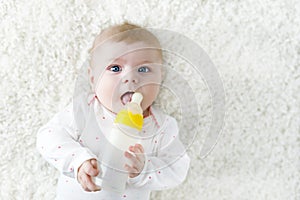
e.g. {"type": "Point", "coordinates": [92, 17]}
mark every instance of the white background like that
{"type": "Point", "coordinates": [255, 46]}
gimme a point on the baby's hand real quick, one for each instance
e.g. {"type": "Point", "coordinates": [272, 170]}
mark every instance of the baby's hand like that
{"type": "Point", "coordinates": [86, 172]}
{"type": "Point", "coordinates": [137, 160]}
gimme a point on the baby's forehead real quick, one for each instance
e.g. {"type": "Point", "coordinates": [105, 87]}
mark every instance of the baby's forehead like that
{"type": "Point", "coordinates": [110, 51]}
{"type": "Point", "coordinates": [121, 48]}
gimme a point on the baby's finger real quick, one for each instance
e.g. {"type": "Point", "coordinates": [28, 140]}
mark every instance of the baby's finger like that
{"type": "Point", "coordinates": [136, 163]}
{"type": "Point", "coordinates": [133, 159]}
{"type": "Point", "coordinates": [94, 163]}
{"type": "Point", "coordinates": [140, 158]}
{"type": "Point", "coordinates": [91, 185]}
{"type": "Point", "coordinates": [88, 184]}
{"type": "Point", "coordinates": [82, 180]}
{"type": "Point", "coordinates": [130, 156]}
{"type": "Point", "coordinates": [131, 170]}
{"type": "Point", "coordinates": [138, 150]}
{"type": "Point", "coordinates": [139, 147]}
{"type": "Point", "coordinates": [90, 170]}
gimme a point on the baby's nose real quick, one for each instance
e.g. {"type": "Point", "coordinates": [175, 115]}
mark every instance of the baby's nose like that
{"type": "Point", "coordinates": [130, 78]}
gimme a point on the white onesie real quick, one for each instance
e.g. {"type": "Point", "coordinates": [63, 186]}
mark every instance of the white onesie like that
{"type": "Point", "coordinates": [66, 142]}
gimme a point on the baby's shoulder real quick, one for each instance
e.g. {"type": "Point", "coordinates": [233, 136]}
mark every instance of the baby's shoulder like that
{"type": "Point", "coordinates": [81, 104]}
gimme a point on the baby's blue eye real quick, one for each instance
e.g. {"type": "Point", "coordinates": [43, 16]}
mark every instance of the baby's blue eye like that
{"type": "Point", "coordinates": [143, 69]}
{"type": "Point", "coordinates": [115, 68]}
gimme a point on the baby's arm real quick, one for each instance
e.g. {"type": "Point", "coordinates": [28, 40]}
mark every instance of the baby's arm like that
{"type": "Point", "coordinates": [58, 143]}
{"type": "Point", "coordinates": [169, 167]}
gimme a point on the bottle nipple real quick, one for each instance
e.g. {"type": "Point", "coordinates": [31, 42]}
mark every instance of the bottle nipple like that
{"type": "Point", "coordinates": [137, 98]}
{"type": "Point", "coordinates": [133, 115]}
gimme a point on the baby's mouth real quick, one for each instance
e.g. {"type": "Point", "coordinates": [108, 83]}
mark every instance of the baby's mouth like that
{"type": "Point", "coordinates": [126, 97]}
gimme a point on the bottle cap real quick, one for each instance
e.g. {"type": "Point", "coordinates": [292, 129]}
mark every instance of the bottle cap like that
{"type": "Point", "coordinates": [137, 98]}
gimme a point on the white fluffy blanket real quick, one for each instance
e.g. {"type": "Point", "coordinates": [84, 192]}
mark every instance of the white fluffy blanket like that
{"type": "Point", "coordinates": [254, 44]}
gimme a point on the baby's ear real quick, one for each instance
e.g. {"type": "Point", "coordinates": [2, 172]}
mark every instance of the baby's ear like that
{"type": "Point", "coordinates": [91, 77]}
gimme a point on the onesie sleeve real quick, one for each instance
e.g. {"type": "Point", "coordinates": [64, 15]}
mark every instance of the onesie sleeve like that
{"type": "Point", "coordinates": [57, 142]}
{"type": "Point", "coordinates": [168, 167]}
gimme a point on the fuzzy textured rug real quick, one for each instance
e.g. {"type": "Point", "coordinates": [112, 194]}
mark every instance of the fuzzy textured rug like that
{"type": "Point", "coordinates": [255, 46]}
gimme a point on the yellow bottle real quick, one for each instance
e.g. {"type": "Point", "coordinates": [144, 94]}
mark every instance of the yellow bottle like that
{"type": "Point", "coordinates": [127, 124]}
{"type": "Point", "coordinates": [125, 132]}
{"type": "Point", "coordinates": [133, 115]}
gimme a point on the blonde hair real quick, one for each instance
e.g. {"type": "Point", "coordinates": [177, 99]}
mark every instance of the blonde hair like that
{"type": "Point", "coordinates": [128, 33]}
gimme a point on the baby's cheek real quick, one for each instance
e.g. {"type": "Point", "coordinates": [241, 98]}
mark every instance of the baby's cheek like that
{"type": "Point", "coordinates": [151, 92]}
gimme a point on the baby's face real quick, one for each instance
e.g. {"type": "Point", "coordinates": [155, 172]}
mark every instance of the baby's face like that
{"type": "Point", "coordinates": [119, 69]}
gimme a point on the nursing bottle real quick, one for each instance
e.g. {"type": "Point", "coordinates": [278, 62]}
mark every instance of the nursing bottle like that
{"type": "Point", "coordinates": [125, 132]}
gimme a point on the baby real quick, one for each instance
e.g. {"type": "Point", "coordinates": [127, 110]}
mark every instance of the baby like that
{"type": "Point", "coordinates": [124, 59]}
